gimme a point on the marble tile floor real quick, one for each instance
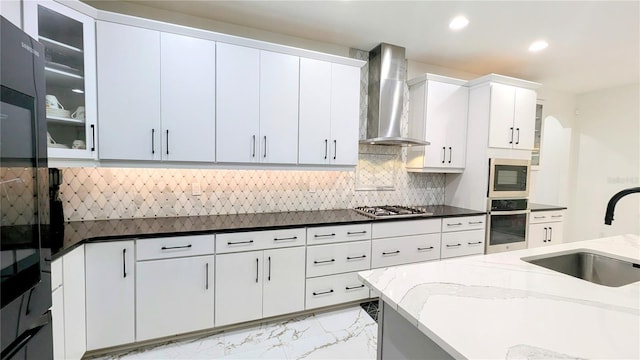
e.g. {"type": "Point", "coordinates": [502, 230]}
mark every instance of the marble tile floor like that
{"type": "Point", "coordinates": [340, 334]}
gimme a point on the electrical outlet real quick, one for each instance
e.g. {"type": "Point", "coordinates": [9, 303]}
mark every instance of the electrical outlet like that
{"type": "Point", "coordinates": [195, 189]}
{"type": "Point", "coordinates": [312, 185]}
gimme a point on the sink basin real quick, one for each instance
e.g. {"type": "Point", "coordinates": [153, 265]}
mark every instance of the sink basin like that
{"type": "Point", "coordinates": [589, 266]}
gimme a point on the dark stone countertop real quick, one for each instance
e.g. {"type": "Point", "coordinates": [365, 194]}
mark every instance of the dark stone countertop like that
{"type": "Point", "coordinates": [543, 207]}
{"type": "Point", "coordinates": [80, 232]}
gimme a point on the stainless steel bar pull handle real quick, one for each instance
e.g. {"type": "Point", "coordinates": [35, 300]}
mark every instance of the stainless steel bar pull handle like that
{"type": "Point", "coordinates": [153, 141]}
{"type": "Point", "coordinates": [93, 137]}
{"type": "Point", "coordinates": [287, 238]}
{"type": "Point", "coordinates": [556, 216]}
{"type": "Point", "coordinates": [444, 154]}
{"type": "Point", "coordinates": [269, 275]}
{"type": "Point", "coordinates": [474, 243]}
{"type": "Point", "coordinates": [550, 233]}
{"type": "Point", "coordinates": [511, 141]}
{"type": "Point", "coordinates": [456, 245]}
{"type": "Point", "coordinates": [323, 235]}
{"type": "Point", "coordinates": [167, 141]}
{"type": "Point", "coordinates": [354, 287]}
{"type": "Point", "coordinates": [326, 148]}
{"type": "Point", "coordinates": [239, 242]}
{"type": "Point", "coordinates": [257, 262]}
{"type": "Point", "coordinates": [323, 261]}
{"type": "Point", "coordinates": [335, 149]}
{"type": "Point", "coordinates": [450, 154]}
{"type": "Point", "coordinates": [265, 147]}
{"type": "Point", "coordinates": [206, 269]}
{"type": "Point", "coordinates": [356, 257]}
{"type": "Point", "coordinates": [545, 235]}
{"type": "Point", "coordinates": [124, 263]}
{"type": "Point", "coordinates": [356, 232]}
{"type": "Point", "coordinates": [175, 247]}
{"type": "Point", "coordinates": [455, 224]}
{"type": "Point", "coordinates": [475, 222]}
{"type": "Point", "coordinates": [391, 252]}
{"type": "Point", "coordinates": [518, 137]}
{"type": "Point", "coordinates": [322, 292]}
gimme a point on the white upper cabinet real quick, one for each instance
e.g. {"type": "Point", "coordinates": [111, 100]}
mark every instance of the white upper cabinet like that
{"type": "Point", "coordinates": [438, 114]}
{"type": "Point", "coordinates": [257, 106]}
{"type": "Point", "coordinates": [129, 90]}
{"type": "Point", "coordinates": [238, 103]}
{"type": "Point", "coordinates": [279, 79]}
{"type": "Point", "coordinates": [315, 111]}
{"type": "Point", "coordinates": [68, 37]}
{"type": "Point", "coordinates": [329, 113]}
{"type": "Point", "coordinates": [188, 97]}
{"type": "Point", "coordinates": [512, 117]}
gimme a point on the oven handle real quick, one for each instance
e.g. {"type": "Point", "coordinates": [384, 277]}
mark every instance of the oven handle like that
{"type": "Point", "coordinates": [513, 212]}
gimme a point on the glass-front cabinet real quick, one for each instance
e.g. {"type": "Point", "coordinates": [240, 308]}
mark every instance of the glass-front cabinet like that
{"type": "Point", "coordinates": [68, 37]}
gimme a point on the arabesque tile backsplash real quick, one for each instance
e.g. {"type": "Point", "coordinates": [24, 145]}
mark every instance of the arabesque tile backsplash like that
{"type": "Point", "coordinates": [124, 193]}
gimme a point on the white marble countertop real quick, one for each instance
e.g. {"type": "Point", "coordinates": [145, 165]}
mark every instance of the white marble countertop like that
{"type": "Point", "coordinates": [500, 307]}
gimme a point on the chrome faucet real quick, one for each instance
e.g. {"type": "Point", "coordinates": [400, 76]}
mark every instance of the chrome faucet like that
{"type": "Point", "coordinates": [608, 217]}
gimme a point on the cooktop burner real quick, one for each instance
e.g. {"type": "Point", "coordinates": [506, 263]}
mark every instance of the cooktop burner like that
{"type": "Point", "coordinates": [378, 212]}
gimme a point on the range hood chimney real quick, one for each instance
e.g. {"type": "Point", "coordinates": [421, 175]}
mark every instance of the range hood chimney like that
{"type": "Point", "coordinates": [387, 75]}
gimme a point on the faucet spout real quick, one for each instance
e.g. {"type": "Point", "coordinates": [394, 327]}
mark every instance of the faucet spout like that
{"type": "Point", "coordinates": [608, 217]}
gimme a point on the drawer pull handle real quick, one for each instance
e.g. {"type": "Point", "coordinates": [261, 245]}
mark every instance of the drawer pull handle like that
{"type": "Point", "coordinates": [556, 216]}
{"type": "Point", "coordinates": [175, 247]}
{"type": "Point", "coordinates": [456, 224]}
{"type": "Point", "coordinates": [322, 292]}
{"type": "Point", "coordinates": [239, 242]}
{"type": "Point", "coordinates": [475, 243]}
{"type": "Point", "coordinates": [283, 239]}
{"type": "Point", "coordinates": [354, 287]}
{"type": "Point", "coordinates": [391, 252]}
{"type": "Point", "coordinates": [356, 232]}
{"type": "Point", "coordinates": [323, 261]}
{"type": "Point", "coordinates": [356, 257]}
{"type": "Point", "coordinates": [323, 235]}
{"type": "Point", "coordinates": [456, 245]}
{"type": "Point", "coordinates": [427, 248]}
{"type": "Point", "coordinates": [475, 222]}
{"type": "Point", "coordinates": [539, 217]}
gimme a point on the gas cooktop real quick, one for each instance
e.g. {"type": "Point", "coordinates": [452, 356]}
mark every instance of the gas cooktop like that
{"type": "Point", "coordinates": [392, 211]}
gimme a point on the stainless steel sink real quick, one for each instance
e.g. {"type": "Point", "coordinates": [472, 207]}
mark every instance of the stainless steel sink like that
{"type": "Point", "coordinates": [598, 269]}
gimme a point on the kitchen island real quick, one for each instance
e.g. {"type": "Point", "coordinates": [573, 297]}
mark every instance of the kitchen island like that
{"type": "Point", "coordinates": [501, 307]}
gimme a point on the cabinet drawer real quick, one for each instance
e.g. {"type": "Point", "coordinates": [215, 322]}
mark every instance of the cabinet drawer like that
{"type": "Point", "coordinates": [334, 289]}
{"type": "Point", "coordinates": [176, 246]}
{"type": "Point", "coordinates": [56, 273]}
{"type": "Point", "coordinates": [339, 233]}
{"type": "Point", "coordinates": [462, 243]}
{"type": "Point", "coordinates": [338, 258]}
{"type": "Point", "coordinates": [259, 240]}
{"type": "Point", "coordinates": [405, 228]}
{"type": "Point", "coordinates": [464, 223]}
{"type": "Point", "coordinates": [546, 216]}
{"type": "Point", "coordinates": [404, 250]}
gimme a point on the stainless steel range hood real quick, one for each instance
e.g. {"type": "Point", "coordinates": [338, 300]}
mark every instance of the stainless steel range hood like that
{"type": "Point", "coordinates": [387, 76]}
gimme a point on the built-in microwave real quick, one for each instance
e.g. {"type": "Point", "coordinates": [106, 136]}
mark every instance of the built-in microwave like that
{"type": "Point", "coordinates": [508, 178]}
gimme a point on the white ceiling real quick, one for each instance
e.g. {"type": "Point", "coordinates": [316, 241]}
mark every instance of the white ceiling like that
{"type": "Point", "coordinates": [592, 44]}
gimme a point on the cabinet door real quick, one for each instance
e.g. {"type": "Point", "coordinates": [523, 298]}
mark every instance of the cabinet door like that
{"type": "Point", "coordinates": [555, 233]}
{"type": "Point", "coordinates": [435, 155]}
{"type": "Point", "coordinates": [174, 296]}
{"type": "Point", "coordinates": [501, 130]}
{"type": "Point", "coordinates": [524, 118]}
{"type": "Point", "coordinates": [110, 274]}
{"type": "Point", "coordinates": [237, 103]}
{"type": "Point", "coordinates": [74, 303]}
{"type": "Point", "coordinates": [538, 235]}
{"type": "Point", "coordinates": [345, 114]}
{"type": "Point", "coordinates": [283, 281]}
{"type": "Point", "coordinates": [315, 111]}
{"type": "Point", "coordinates": [458, 108]}
{"type": "Point", "coordinates": [279, 78]}
{"type": "Point", "coordinates": [188, 97]}
{"type": "Point", "coordinates": [129, 90]}
{"type": "Point", "coordinates": [68, 37]}
{"type": "Point", "coordinates": [238, 287]}
{"type": "Point", "coordinates": [57, 322]}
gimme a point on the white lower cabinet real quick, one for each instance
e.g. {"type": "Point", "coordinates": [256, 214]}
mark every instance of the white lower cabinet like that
{"type": "Point", "coordinates": [405, 250]}
{"type": "Point", "coordinates": [545, 228]}
{"type": "Point", "coordinates": [256, 284]}
{"type": "Point", "coordinates": [334, 289]}
{"type": "Point", "coordinates": [110, 294]}
{"type": "Point", "coordinates": [57, 322]}
{"type": "Point", "coordinates": [74, 308]}
{"type": "Point", "coordinates": [338, 258]}
{"type": "Point", "coordinates": [462, 243]}
{"type": "Point", "coordinates": [174, 296]}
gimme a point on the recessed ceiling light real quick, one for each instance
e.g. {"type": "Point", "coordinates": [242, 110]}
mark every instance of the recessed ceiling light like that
{"type": "Point", "coordinates": [538, 45]}
{"type": "Point", "coordinates": [458, 22]}
{"type": "Point", "coordinates": [79, 91]}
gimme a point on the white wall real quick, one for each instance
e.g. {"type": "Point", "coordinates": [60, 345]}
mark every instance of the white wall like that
{"type": "Point", "coordinates": [607, 159]}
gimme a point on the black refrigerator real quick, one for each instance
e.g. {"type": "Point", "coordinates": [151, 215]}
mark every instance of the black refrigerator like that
{"type": "Point", "coordinates": [24, 199]}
